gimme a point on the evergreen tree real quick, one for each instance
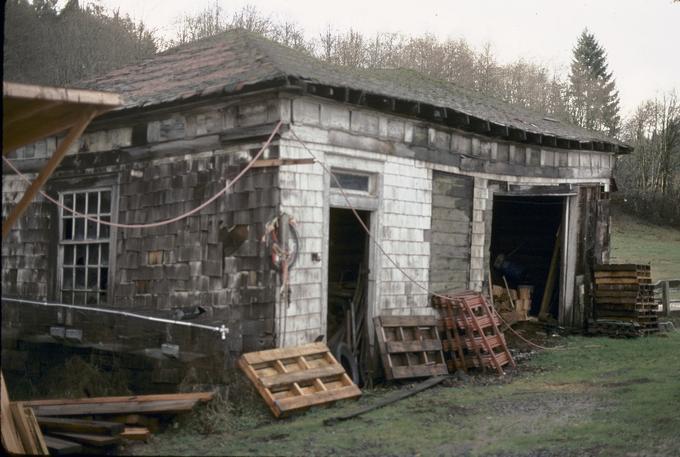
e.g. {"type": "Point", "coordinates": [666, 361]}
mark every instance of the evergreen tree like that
{"type": "Point", "coordinates": [593, 98]}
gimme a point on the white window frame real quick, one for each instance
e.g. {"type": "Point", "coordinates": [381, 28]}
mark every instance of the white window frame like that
{"type": "Point", "coordinates": [103, 295]}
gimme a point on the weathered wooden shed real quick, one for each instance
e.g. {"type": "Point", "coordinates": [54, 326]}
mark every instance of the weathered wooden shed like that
{"type": "Point", "coordinates": [445, 179]}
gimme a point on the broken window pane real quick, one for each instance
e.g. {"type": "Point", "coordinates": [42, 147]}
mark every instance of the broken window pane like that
{"type": "Point", "coordinates": [102, 298]}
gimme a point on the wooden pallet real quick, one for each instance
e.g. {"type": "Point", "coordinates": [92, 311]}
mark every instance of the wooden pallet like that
{"type": "Point", "coordinates": [410, 346]}
{"type": "Point", "coordinates": [296, 378]}
{"type": "Point", "coordinates": [471, 332]}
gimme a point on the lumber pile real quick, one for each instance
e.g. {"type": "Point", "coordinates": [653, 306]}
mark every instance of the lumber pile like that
{"type": "Point", "coordinates": [513, 304]}
{"type": "Point", "coordinates": [20, 431]}
{"type": "Point", "coordinates": [410, 346]}
{"type": "Point", "coordinates": [99, 424]}
{"type": "Point", "coordinates": [297, 378]}
{"type": "Point", "coordinates": [469, 327]}
{"type": "Point", "coordinates": [624, 293]}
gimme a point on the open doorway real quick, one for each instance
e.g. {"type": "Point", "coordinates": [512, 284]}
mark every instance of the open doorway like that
{"type": "Point", "coordinates": [348, 266]}
{"type": "Point", "coordinates": [525, 248]}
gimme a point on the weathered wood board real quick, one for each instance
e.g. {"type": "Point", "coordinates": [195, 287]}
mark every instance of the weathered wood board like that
{"type": "Point", "coordinates": [410, 346]}
{"type": "Point", "coordinates": [296, 378]}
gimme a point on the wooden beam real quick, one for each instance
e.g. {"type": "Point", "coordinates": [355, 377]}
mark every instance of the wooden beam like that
{"type": "Point", "coordinates": [47, 170]}
{"type": "Point", "coordinates": [280, 162]}
{"type": "Point", "coordinates": [399, 395]}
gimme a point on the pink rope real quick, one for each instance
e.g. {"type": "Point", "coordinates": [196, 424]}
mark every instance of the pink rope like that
{"type": "Point", "coordinates": [379, 246]}
{"type": "Point", "coordinates": [163, 222]}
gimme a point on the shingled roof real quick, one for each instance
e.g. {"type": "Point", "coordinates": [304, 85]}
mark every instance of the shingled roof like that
{"type": "Point", "coordinates": [237, 60]}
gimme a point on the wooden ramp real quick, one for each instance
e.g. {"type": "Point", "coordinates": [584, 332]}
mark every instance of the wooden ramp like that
{"type": "Point", "coordinates": [296, 378]}
{"type": "Point", "coordinates": [410, 346]}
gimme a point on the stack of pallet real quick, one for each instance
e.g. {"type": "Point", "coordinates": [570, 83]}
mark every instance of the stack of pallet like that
{"type": "Point", "coordinates": [469, 327]}
{"type": "Point", "coordinates": [624, 298]}
{"type": "Point", "coordinates": [89, 425]}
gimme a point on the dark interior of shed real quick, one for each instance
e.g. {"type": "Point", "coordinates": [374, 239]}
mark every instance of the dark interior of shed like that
{"type": "Point", "coordinates": [523, 238]}
{"type": "Point", "coordinates": [347, 280]}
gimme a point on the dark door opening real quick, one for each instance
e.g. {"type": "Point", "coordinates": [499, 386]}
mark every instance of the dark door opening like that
{"type": "Point", "coordinates": [346, 323]}
{"type": "Point", "coordinates": [524, 239]}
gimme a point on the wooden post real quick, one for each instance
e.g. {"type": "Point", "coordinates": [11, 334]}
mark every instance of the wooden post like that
{"type": "Point", "coordinates": [550, 281]}
{"type": "Point", "coordinates": [46, 172]}
{"type": "Point", "coordinates": [666, 298]}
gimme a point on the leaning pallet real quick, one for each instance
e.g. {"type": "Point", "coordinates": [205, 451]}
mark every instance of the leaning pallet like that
{"type": "Point", "coordinates": [623, 292]}
{"type": "Point", "coordinates": [296, 378]}
{"type": "Point", "coordinates": [20, 431]}
{"type": "Point", "coordinates": [410, 346]}
{"type": "Point", "coordinates": [471, 334]}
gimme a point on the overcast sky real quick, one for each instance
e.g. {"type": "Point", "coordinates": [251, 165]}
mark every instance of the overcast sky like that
{"type": "Point", "coordinates": [641, 37]}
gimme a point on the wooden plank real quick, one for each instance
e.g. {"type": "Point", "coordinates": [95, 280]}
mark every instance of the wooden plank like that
{"type": "Point", "coordinates": [62, 424]}
{"type": "Point", "coordinates": [413, 346]}
{"type": "Point", "coordinates": [88, 438]}
{"type": "Point", "coordinates": [10, 438]}
{"type": "Point", "coordinates": [254, 358]}
{"type": "Point", "coordinates": [419, 371]}
{"type": "Point", "coordinates": [23, 428]}
{"type": "Point", "coordinates": [58, 446]}
{"type": "Point", "coordinates": [544, 310]}
{"type": "Point", "coordinates": [304, 401]}
{"type": "Point", "coordinates": [266, 163]}
{"type": "Point", "coordinates": [197, 396]}
{"type": "Point", "coordinates": [157, 407]}
{"type": "Point", "coordinates": [272, 382]}
{"type": "Point", "coordinates": [400, 395]}
{"type": "Point", "coordinates": [407, 321]}
{"type": "Point", "coordinates": [136, 433]}
{"type": "Point", "coordinates": [37, 433]}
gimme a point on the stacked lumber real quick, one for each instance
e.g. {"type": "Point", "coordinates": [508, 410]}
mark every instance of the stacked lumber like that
{"type": "Point", "coordinates": [116, 419]}
{"type": "Point", "coordinates": [20, 431]}
{"type": "Point", "coordinates": [624, 293]}
{"type": "Point", "coordinates": [471, 335]}
{"type": "Point", "coordinates": [297, 378]}
{"type": "Point", "coordinates": [512, 304]}
{"type": "Point", "coordinates": [410, 346]}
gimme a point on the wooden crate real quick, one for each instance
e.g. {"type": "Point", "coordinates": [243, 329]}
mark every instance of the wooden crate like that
{"type": "Point", "coordinates": [296, 378]}
{"type": "Point", "coordinates": [410, 346]}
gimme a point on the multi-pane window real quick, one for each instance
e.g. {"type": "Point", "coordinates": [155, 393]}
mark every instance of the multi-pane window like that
{"type": "Point", "coordinates": [84, 246]}
{"type": "Point", "coordinates": [351, 181]}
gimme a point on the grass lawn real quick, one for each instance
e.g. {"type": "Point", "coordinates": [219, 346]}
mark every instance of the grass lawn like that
{"type": "Point", "coordinates": [593, 396]}
{"type": "Point", "coordinates": [635, 241]}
